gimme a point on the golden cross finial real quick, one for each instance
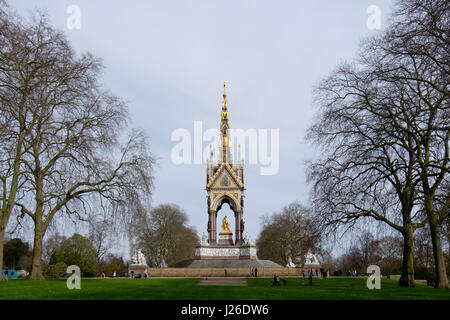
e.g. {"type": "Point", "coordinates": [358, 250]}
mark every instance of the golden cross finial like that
{"type": "Point", "coordinates": [224, 103]}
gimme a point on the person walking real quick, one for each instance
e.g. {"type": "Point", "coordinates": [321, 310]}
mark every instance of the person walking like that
{"type": "Point", "coordinates": [310, 279]}
{"type": "Point", "coordinates": [5, 272]}
{"type": "Point", "coordinates": [256, 272]}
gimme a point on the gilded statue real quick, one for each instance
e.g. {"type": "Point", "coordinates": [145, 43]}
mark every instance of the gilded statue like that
{"type": "Point", "coordinates": [225, 225]}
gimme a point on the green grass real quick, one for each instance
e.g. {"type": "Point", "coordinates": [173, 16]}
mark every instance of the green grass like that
{"type": "Point", "coordinates": [171, 289]}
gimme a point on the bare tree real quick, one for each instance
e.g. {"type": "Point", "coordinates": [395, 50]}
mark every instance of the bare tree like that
{"type": "Point", "coordinates": [370, 249]}
{"type": "Point", "coordinates": [366, 249]}
{"type": "Point", "coordinates": [105, 224]}
{"type": "Point", "coordinates": [423, 257]}
{"type": "Point", "coordinates": [51, 244]}
{"type": "Point", "coordinates": [101, 235]}
{"type": "Point", "coordinates": [414, 53]}
{"type": "Point", "coordinates": [384, 124]}
{"type": "Point", "coordinates": [327, 262]}
{"type": "Point", "coordinates": [288, 234]}
{"type": "Point", "coordinates": [73, 146]}
{"type": "Point", "coordinates": [164, 236]}
{"type": "Point", "coordinates": [391, 251]}
{"type": "Point", "coordinates": [351, 261]}
{"type": "Point", "coordinates": [445, 234]}
{"type": "Point", "coordinates": [364, 172]}
{"type": "Point", "coordinates": [16, 86]}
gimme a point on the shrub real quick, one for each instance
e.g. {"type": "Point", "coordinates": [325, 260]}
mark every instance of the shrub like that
{"type": "Point", "coordinates": [54, 270]}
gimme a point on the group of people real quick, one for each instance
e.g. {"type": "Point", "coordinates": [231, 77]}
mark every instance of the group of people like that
{"type": "Point", "coordinates": [138, 276]}
{"type": "Point", "coordinates": [353, 273]}
{"type": "Point", "coordinates": [255, 272]}
{"type": "Point", "coordinates": [276, 281]}
{"type": "Point", "coordinates": [316, 273]}
{"type": "Point", "coordinates": [101, 275]}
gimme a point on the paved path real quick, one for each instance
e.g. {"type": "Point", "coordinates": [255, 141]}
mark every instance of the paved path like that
{"type": "Point", "coordinates": [223, 282]}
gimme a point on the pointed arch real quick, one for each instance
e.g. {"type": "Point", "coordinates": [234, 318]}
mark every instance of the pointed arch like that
{"type": "Point", "coordinates": [225, 198]}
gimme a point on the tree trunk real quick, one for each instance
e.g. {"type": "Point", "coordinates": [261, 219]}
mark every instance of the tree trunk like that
{"type": "Point", "coordinates": [407, 277]}
{"type": "Point", "coordinates": [2, 239]}
{"type": "Point", "coordinates": [439, 263]}
{"type": "Point", "coordinates": [36, 269]}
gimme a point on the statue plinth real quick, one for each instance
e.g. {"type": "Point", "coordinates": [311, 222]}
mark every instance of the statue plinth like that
{"type": "Point", "coordinates": [225, 238]}
{"type": "Point", "coordinates": [138, 264]}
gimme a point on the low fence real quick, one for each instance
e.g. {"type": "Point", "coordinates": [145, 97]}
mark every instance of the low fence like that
{"type": "Point", "coordinates": [220, 272]}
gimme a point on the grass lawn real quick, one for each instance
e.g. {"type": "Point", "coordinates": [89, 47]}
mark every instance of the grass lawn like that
{"type": "Point", "coordinates": [174, 289]}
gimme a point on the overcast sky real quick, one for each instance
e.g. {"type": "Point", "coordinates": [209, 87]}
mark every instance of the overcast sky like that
{"type": "Point", "coordinates": [170, 59]}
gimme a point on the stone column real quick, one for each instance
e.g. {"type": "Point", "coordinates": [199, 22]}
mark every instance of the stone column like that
{"type": "Point", "coordinates": [212, 234]}
{"type": "Point", "coordinates": [214, 223]}
{"type": "Point", "coordinates": [241, 230]}
{"type": "Point", "coordinates": [237, 219]}
{"type": "Point", "coordinates": [209, 227]}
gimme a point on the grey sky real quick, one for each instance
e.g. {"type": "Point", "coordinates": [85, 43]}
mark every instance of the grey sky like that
{"type": "Point", "coordinates": [170, 59]}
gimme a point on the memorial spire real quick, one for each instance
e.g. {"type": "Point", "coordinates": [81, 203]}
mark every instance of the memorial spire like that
{"type": "Point", "coordinates": [225, 142]}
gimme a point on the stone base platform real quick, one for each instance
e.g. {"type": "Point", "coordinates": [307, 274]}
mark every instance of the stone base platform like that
{"type": "Point", "coordinates": [227, 263]}
{"type": "Point", "coordinates": [137, 269]}
{"type": "Point", "coordinates": [221, 251]}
